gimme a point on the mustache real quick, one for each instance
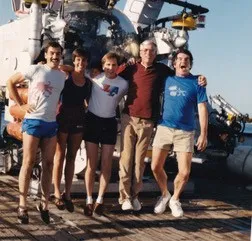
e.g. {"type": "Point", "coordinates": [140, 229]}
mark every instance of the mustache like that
{"type": "Point", "coordinates": [54, 59]}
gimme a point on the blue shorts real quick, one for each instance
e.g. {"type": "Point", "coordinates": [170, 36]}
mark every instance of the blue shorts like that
{"type": "Point", "coordinates": [39, 128]}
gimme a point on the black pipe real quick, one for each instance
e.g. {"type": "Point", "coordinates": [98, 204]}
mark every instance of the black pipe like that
{"type": "Point", "coordinates": [196, 9]}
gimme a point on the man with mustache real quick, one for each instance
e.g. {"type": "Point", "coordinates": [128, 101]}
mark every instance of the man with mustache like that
{"type": "Point", "coordinates": [39, 125]}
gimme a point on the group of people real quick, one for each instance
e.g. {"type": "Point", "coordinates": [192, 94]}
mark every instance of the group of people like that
{"type": "Point", "coordinates": [59, 135]}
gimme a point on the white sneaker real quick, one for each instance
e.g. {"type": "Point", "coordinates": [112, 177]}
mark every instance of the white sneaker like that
{"type": "Point", "coordinates": [176, 208]}
{"type": "Point", "coordinates": [136, 204]}
{"type": "Point", "coordinates": [127, 205]}
{"type": "Point", "coordinates": [162, 204]}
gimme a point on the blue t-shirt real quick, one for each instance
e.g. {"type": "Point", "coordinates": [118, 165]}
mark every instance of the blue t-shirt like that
{"type": "Point", "coordinates": [181, 96]}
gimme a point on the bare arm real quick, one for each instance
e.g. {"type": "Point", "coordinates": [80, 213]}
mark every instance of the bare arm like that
{"type": "Point", "coordinates": [12, 88]}
{"type": "Point", "coordinates": [203, 120]}
{"type": "Point", "coordinates": [66, 68]}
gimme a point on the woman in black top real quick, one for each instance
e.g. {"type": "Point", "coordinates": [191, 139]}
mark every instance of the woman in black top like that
{"type": "Point", "coordinates": [70, 118]}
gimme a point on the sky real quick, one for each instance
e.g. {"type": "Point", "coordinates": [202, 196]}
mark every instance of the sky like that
{"type": "Point", "coordinates": [222, 50]}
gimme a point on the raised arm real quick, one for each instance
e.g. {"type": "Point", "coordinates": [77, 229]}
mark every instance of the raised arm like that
{"type": "Point", "coordinates": [203, 120]}
{"type": "Point", "coordinates": [12, 88]}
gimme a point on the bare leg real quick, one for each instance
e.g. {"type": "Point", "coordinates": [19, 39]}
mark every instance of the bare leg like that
{"type": "Point", "coordinates": [73, 144]}
{"type": "Point", "coordinates": [48, 146]}
{"type": "Point", "coordinates": [58, 162]}
{"type": "Point", "coordinates": [157, 167]}
{"type": "Point", "coordinates": [106, 164]}
{"type": "Point", "coordinates": [30, 147]}
{"type": "Point", "coordinates": [184, 168]}
{"type": "Point", "coordinates": [92, 156]}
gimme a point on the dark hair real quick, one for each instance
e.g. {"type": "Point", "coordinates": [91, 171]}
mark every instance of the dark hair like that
{"type": "Point", "coordinates": [80, 53]}
{"type": "Point", "coordinates": [110, 55]}
{"type": "Point", "coordinates": [53, 44]}
{"type": "Point", "coordinates": [96, 65]}
{"type": "Point", "coordinates": [182, 51]}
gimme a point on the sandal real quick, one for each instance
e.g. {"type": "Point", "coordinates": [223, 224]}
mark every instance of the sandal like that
{"type": "Point", "coordinates": [22, 215]}
{"type": "Point", "coordinates": [68, 203]}
{"type": "Point", "coordinates": [44, 214]}
{"type": "Point", "coordinates": [59, 203]}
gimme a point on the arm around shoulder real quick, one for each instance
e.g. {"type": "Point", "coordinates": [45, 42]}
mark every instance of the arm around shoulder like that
{"type": "Point", "coordinates": [202, 80]}
{"type": "Point", "coordinates": [66, 68]}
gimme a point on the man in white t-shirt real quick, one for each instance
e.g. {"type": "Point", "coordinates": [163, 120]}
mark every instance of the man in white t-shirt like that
{"type": "Point", "coordinates": [101, 128]}
{"type": "Point", "coordinates": [39, 125]}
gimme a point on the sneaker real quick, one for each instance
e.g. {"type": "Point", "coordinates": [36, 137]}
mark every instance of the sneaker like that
{"type": "Point", "coordinates": [43, 213]}
{"type": "Point", "coordinates": [98, 209]}
{"type": "Point", "coordinates": [22, 215]}
{"type": "Point", "coordinates": [88, 209]}
{"type": "Point", "coordinates": [127, 205]}
{"type": "Point", "coordinates": [176, 208]}
{"type": "Point", "coordinates": [162, 204]}
{"type": "Point", "coordinates": [136, 204]}
{"type": "Point", "coordinates": [68, 203]}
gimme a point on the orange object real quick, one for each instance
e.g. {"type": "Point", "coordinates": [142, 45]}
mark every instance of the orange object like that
{"type": "Point", "coordinates": [14, 129]}
{"type": "Point", "coordinates": [17, 112]}
{"type": "Point", "coordinates": [23, 93]}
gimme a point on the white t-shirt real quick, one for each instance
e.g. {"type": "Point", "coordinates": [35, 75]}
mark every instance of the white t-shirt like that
{"type": "Point", "coordinates": [44, 90]}
{"type": "Point", "coordinates": [106, 95]}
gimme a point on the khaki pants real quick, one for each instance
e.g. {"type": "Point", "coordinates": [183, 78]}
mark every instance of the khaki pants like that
{"type": "Point", "coordinates": [135, 138]}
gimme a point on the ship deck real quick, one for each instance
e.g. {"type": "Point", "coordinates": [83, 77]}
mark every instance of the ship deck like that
{"type": "Point", "coordinates": [216, 209]}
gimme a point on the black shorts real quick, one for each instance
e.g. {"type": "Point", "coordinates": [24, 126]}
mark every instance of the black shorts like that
{"type": "Point", "coordinates": [71, 119]}
{"type": "Point", "coordinates": [100, 130]}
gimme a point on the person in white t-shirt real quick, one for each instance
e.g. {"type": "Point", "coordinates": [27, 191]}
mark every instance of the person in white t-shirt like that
{"type": "Point", "coordinates": [101, 128]}
{"type": "Point", "coordinates": [39, 125]}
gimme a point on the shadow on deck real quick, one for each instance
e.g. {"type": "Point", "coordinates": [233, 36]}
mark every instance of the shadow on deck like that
{"type": "Point", "coordinates": [217, 210]}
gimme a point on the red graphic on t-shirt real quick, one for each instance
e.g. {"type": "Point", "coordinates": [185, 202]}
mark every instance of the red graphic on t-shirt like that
{"type": "Point", "coordinates": [46, 89]}
{"type": "Point", "coordinates": [106, 87]}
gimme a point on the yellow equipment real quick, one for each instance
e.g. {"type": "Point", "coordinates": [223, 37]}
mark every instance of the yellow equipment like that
{"type": "Point", "coordinates": [185, 23]}
{"type": "Point", "coordinates": [44, 3]}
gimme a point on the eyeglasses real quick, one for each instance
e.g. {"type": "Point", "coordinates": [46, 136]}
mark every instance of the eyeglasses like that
{"type": "Point", "coordinates": [148, 50]}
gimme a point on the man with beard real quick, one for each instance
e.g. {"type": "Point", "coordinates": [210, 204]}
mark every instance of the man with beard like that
{"type": "Point", "coordinates": [39, 125]}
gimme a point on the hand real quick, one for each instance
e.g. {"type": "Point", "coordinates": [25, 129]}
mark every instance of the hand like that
{"type": "Point", "coordinates": [41, 63]}
{"type": "Point", "coordinates": [131, 61]}
{"type": "Point", "coordinates": [27, 108]}
{"type": "Point", "coordinates": [201, 143]}
{"type": "Point", "coordinates": [202, 81]}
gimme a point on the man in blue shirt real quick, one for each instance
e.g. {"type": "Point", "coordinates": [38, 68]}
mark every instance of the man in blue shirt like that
{"type": "Point", "coordinates": [182, 96]}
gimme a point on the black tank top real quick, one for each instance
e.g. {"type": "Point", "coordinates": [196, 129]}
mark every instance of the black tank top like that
{"type": "Point", "coordinates": [73, 95]}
